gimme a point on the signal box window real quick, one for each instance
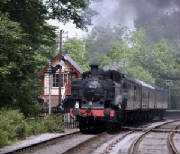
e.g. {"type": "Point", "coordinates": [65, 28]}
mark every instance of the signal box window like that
{"type": "Point", "coordinates": [56, 80]}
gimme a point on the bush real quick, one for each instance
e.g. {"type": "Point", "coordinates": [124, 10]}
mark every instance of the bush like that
{"type": "Point", "coordinates": [54, 123]}
{"type": "Point", "coordinates": [10, 125]}
{"type": "Point", "coordinates": [3, 138]}
{"type": "Point", "coordinates": [14, 126]}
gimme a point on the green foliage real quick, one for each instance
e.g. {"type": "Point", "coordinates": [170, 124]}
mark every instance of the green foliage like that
{"type": "Point", "coordinates": [140, 73]}
{"type": "Point", "coordinates": [10, 125]}
{"type": "Point", "coordinates": [53, 123]}
{"type": "Point", "coordinates": [15, 63]}
{"type": "Point", "coordinates": [76, 49]}
{"type": "Point", "coordinates": [69, 10]}
{"type": "Point", "coordinates": [27, 43]}
{"type": "Point", "coordinates": [163, 63]}
{"type": "Point", "coordinates": [20, 62]}
{"type": "Point", "coordinates": [14, 126]}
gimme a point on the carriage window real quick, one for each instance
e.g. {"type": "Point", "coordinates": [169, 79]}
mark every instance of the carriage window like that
{"type": "Point", "coordinates": [56, 80]}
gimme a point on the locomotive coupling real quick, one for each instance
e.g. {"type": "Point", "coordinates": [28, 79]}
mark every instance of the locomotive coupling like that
{"type": "Point", "coordinates": [107, 112]}
{"type": "Point", "coordinates": [75, 111]}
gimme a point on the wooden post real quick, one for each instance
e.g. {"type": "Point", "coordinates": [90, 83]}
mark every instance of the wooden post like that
{"type": "Point", "coordinates": [60, 52]}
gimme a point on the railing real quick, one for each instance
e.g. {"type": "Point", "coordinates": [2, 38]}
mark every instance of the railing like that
{"type": "Point", "coordinates": [69, 122]}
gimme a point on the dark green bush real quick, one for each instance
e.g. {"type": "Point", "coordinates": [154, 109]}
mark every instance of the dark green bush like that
{"type": "Point", "coordinates": [11, 124]}
{"type": "Point", "coordinates": [53, 123]}
{"type": "Point", "coordinates": [3, 138]}
{"type": "Point", "coordinates": [14, 126]}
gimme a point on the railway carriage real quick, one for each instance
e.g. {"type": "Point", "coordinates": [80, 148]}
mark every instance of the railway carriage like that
{"type": "Point", "coordinates": [110, 98]}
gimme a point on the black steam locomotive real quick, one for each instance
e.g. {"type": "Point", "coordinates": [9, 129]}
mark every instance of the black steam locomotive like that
{"type": "Point", "coordinates": [109, 98]}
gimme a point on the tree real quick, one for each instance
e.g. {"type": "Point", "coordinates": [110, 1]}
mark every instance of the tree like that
{"type": "Point", "coordinates": [165, 66]}
{"type": "Point", "coordinates": [76, 49]}
{"type": "Point", "coordinates": [15, 66]}
{"type": "Point", "coordinates": [27, 43]}
{"type": "Point", "coordinates": [67, 10]}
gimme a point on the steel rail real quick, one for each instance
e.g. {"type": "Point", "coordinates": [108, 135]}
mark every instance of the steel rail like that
{"type": "Point", "coordinates": [153, 130]}
{"type": "Point", "coordinates": [133, 148]}
{"type": "Point", "coordinates": [84, 143]}
{"type": "Point", "coordinates": [172, 148]}
{"type": "Point", "coordinates": [30, 146]}
{"type": "Point", "coordinates": [112, 144]}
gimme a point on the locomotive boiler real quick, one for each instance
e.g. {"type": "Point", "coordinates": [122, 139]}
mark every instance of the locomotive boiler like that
{"type": "Point", "coordinates": [109, 98]}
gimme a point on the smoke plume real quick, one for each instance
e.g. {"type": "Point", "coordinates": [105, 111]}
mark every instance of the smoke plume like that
{"type": "Point", "coordinates": [125, 12]}
{"type": "Point", "coordinates": [159, 18]}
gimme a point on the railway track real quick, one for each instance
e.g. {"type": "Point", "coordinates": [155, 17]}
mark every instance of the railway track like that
{"type": "Point", "coordinates": [30, 148]}
{"type": "Point", "coordinates": [170, 142]}
{"type": "Point", "coordinates": [92, 143]}
{"type": "Point", "coordinates": [129, 141]}
{"type": "Point", "coordinates": [134, 148]}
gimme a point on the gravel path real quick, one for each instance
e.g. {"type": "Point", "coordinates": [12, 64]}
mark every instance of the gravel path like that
{"type": "Point", "coordinates": [176, 141]}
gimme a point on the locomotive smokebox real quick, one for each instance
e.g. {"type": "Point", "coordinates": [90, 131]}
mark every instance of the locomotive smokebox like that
{"type": "Point", "coordinates": [94, 67]}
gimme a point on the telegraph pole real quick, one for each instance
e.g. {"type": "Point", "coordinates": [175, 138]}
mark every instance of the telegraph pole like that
{"type": "Point", "coordinates": [60, 52]}
{"type": "Point", "coordinates": [49, 71]}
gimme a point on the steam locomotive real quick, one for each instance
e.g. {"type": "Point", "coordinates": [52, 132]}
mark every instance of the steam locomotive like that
{"type": "Point", "coordinates": [109, 98]}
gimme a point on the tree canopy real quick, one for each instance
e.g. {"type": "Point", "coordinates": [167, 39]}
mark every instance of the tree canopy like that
{"type": "Point", "coordinates": [27, 43]}
{"type": "Point", "coordinates": [76, 49]}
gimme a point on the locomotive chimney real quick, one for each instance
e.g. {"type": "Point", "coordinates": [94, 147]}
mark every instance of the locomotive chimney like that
{"type": "Point", "coordinates": [94, 66]}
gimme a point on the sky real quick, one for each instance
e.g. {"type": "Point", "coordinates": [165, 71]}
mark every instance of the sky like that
{"type": "Point", "coordinates": [70, 28]}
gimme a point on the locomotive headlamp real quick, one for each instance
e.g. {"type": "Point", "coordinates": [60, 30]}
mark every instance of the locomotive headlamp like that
{"type": "Point", "coordinates": [77, 105]}
{"type": "Point", "coordinates": [90, 103]}
{"type": "Point", "coordinates": [119, 106]}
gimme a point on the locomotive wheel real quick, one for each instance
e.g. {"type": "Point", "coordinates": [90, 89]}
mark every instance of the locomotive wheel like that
{"type": "Point", "coordinates": [83, 128]}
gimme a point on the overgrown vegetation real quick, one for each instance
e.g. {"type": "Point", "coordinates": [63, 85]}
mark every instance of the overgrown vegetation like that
{"type": "Point", "coordinates": [14, 126]}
